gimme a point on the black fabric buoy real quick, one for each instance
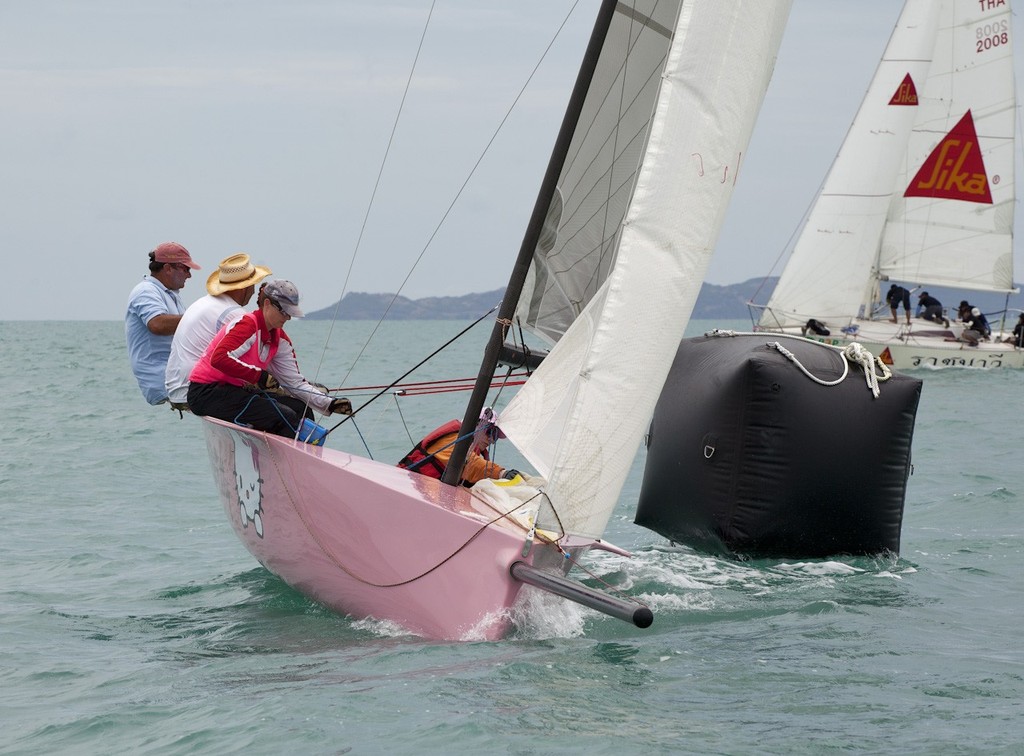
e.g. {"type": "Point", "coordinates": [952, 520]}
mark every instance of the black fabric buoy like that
{"type": "Point", "coordinates": [748, 456]}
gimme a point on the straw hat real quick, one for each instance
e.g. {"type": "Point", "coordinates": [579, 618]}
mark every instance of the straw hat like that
{"type": "Point", "coordinates": [235, 272]}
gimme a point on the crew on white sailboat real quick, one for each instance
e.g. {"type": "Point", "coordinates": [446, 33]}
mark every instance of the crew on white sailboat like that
{"type": "Point", "coordinates": [897, 295]}
{"type": "Point", "coordinates": [252, 357]}
{"type": "Point", "coordinates": [929, 308]}
{"type": "Point", "coordinates": [977, 328]}
{"type": "Point", "coordinates": [1017, 337]}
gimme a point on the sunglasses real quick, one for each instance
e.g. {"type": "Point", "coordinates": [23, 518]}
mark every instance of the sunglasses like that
{"type": "Point", "coordinates": [278, 306]}
{"type": "Point", "coordinates": [180, 266]}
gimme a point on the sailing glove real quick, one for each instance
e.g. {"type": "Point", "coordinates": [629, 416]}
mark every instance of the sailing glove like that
{"type": "Point", "coordinates": [267, 382]}
{"type": "Point", "coordinates": [510, 474]}
{"type": "Point", "coordinates": [340, 406]}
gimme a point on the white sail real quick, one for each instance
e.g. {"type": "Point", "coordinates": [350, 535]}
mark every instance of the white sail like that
{"type": "Point", "coordinates": [957, 236]}
{"type": "Point", "coordinates": [827, 276]}
{"type": "Point", "coordinates": [580, 417]}
{"type": "Point", "coordinates": [945, 59]}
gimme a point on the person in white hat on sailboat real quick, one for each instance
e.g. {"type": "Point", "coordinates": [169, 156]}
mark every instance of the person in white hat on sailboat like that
{"type": "Point", "coordinates": [977, 329]}
{"type": "Point", "coordinates": [230, 288]}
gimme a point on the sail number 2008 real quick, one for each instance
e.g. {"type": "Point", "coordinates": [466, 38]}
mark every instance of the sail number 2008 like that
{"type": "Point", "coordinates": [993, 35]}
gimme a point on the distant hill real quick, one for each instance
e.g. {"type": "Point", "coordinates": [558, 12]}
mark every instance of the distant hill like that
{"type": "Point", "coordinates": [713, 303]}
{"type": "Point", "coordinates": [358, 305]}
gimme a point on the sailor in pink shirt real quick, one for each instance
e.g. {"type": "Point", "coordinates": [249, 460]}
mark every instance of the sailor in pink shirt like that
{"type": "Point", "coordinates": [251, 359]}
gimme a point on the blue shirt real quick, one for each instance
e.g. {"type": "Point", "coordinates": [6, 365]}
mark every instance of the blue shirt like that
{"type": "Point", "coordinates": [147, 351]}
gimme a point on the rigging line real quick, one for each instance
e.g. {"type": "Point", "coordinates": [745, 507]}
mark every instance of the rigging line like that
{"type": "Point", "coordinates": [466, 385]}
{"type": "Point", "coordinates": [376, 186]}
{"type": "Point", "coordinates": [500, 385]}
{"type": "Point", "coordinates": [401, 416]}
{"type": "Point", "coordinates": [430, 356]}
{"type": "Point", "coordinates": [455, 389]}
{"type": "Point", "coordinates": [411, 384]}
{"type": "Point", "coordinates": [363, 439]}
{"type": "Point", "coordinates": [462, 188]}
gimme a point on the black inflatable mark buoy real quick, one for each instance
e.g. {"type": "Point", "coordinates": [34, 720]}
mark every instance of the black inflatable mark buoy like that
{"type": "Point", "coordinates": [748, 456]}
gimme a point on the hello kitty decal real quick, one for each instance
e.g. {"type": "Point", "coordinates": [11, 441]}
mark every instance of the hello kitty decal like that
{"type": "Point", "coordinates": [248, 484]}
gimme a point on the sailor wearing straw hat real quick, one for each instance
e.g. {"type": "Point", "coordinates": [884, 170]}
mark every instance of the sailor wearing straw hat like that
{"type": "Point", "coordinates": [230, 288]}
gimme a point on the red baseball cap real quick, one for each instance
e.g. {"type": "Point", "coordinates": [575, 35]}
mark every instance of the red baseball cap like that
{"type": "Point", "coordinates": [172, 252]}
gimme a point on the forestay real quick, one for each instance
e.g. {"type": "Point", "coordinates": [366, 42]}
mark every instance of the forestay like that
{"type": "Point", "coordinates": [580, 417]}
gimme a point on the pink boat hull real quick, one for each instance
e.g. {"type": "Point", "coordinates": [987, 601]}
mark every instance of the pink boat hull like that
{"type": "Point", "coordinates": [369, 539]}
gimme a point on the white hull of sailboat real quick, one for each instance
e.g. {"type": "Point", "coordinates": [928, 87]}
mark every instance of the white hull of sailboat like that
{"type": "Point", "coordinates": [923, 345]}
{"type": "Point", "coordinates": [367, 539]}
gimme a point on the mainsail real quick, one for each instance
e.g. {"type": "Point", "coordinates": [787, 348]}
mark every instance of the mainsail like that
{"type": "Point", "coordinates": [640, 201]}
{"type": "Point", "coordinates": [940, 106]}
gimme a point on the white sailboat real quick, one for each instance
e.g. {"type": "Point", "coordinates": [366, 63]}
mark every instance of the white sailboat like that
{"type": "Point", "coordinates": [921, 193]}
{"type": "Point", "coordinates": [612, 261]}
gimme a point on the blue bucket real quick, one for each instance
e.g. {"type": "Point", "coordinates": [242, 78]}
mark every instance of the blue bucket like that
{"type": "Point", "coordinates": [311, 433]}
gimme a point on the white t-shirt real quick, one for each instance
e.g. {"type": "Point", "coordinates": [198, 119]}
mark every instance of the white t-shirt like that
{"type": "Point", "coordinates": [200, 323]}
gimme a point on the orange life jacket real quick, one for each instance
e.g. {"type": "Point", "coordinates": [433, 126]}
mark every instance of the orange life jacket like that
{"type": "Point", "coordinates": [422, 461]}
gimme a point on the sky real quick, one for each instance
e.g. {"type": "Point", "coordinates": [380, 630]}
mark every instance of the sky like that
{"type": "Point", "coordinates": [262, 126]}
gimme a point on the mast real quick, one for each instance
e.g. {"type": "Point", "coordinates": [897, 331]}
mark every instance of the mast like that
{"type": "Point", "coordinates": [506, 311]}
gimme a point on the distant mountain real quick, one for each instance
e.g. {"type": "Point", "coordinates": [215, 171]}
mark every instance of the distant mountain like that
{"type": "Point", "coordinates": [730, 302]}
{"type": "Point", "coordinates": [713, 303]}
{"type": "Point", "coordinates": [357, 305]}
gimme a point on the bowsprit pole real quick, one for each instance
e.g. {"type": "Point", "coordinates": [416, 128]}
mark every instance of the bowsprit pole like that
{"type": "Point", "coordinates": [630, 611]}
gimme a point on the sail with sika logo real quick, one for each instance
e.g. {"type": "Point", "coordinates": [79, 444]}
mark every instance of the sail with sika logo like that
{"type": "Point", "coordinates": [921, 194]}
{"type": "Point", "coordinates": [906, 93]}
{"type": "Point", "coordinates": [955, 168]}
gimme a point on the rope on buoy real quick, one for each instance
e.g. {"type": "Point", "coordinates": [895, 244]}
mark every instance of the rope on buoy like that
{"type": "Point", "coordinates": [855, 353]}
{"type": "Point", "coordinates": [852, 352]}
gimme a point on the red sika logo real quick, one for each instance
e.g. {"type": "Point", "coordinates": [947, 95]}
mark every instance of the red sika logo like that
{"type": "Point", "coordinates": [955, 169]}
{"type": "Point", "coordinates": [906, 93]}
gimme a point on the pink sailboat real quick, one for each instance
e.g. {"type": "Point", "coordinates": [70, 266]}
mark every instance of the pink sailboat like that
{"type": "Point", "coordinates": [609, 269]}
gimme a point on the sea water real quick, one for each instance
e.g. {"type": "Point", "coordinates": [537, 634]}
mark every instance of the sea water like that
{"type": "Point", "coordinates": [133, 621]}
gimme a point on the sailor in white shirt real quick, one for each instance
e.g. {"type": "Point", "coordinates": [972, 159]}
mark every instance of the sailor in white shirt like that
{"type": "Point", "coordinates": [230, 288]}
